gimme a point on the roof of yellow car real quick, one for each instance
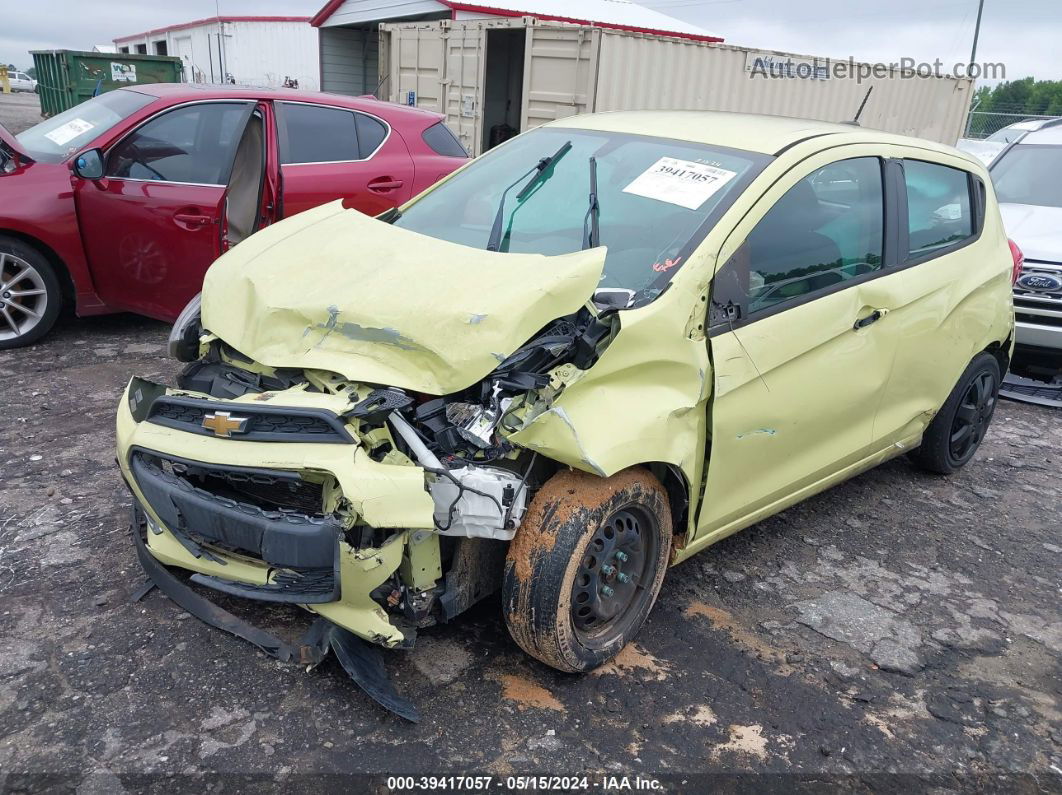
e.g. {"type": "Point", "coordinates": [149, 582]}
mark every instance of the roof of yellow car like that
{"type": "Point", "coordinates": [749, 131]}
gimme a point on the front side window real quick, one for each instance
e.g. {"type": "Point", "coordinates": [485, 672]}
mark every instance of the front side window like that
{"type": "Point", "coordinates": [64, 134]}
{"type": "Point", "coordinates": [825, 230]}
{"type": "Point", "coordinates": [193, 144]}
{"type": "Point", "coordinates": [314, 134]}
{"type": "Point", "coordinates": [938, 206]}
{"type": "Point", "coordinates": [657, 199]}
{"type": "Point", "coordinates": [1030, 174]}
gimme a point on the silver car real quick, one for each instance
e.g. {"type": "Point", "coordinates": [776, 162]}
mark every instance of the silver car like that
{"type": "Point", "coordinates": [1028, 179]}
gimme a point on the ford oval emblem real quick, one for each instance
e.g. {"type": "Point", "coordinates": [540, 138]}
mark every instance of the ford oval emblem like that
{"type": "Point", "coordinates": [1041, 282]}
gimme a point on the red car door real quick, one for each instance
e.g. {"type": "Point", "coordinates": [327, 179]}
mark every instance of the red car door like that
{"type": "Point", "coordinates": [329, 153]}
{"type": "Point", "coordinates": [153, 224]}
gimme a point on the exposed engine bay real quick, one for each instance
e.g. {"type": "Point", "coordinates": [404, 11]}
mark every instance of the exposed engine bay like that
{"type": "Point", "coordinates": [479, 481]}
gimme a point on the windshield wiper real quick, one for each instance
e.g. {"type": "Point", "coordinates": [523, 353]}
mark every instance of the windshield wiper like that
{"type": "Point", "coordinates": [592, 231]}
{"type": "Point", "coordinates": [546, 163]}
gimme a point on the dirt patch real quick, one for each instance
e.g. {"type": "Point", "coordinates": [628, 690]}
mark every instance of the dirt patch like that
{"type": "Point", "coordinates": [700, 716]}
{"type": "Point", "coordinates": [721, 619]}
{"type": "Point", "coordinates": [748, 740]}
{"type": "Point", "coordinates": [633, 659]}
{"type": "Point", "coordinates": [527, 694]}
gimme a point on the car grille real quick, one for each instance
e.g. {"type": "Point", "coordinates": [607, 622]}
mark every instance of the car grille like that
{"type": "Point", "coordinates": [263, 423]}
{"type": "Point", "coordinates": [273, 516]}
{"type": "Point", "coordinates": [268, 491]}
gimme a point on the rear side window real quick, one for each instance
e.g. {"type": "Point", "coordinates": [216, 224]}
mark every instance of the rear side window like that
{"type": "Point", "coordinates": [938, 206]}
{"type": "Point", "coordinates": [442, 141]}
{"type": "Point", "coordinates": [313, 134]}
{"type": "Point", "coordinates": [371, 133]}
{"type": "Point", "coordinates": [825, 230]}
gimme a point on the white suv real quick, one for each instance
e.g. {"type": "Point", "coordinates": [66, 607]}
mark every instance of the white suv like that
{"type": "Point", "coordinates": [1028, 179]}
{"type": "Point", "coordinates": [20, 81]}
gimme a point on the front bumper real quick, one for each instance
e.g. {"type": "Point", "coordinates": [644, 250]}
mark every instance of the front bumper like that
{"type": "Point", "coordinates": [1031, 334]}
{"type": "Point", "coordinates": [383, 496]}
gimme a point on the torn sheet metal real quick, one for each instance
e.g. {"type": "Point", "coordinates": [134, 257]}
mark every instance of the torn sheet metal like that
{"type": "Point", "coordinates": [644, 401]}
{"type": "Point", "coordinates": [385, 305]}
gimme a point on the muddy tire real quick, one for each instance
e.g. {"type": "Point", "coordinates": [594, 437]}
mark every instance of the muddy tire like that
{"type": "Point", "coordinates": [586, 566]}
{"type": "Point", "coordinates": [956, 432]}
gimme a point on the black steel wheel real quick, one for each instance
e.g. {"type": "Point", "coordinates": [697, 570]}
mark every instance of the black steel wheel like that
{"type": "Point", "coordinates": [610, 583]}
{"type": "Point", "coordinates": [958, 429]}
{"type": "Point", "coordinates": [586, 566]}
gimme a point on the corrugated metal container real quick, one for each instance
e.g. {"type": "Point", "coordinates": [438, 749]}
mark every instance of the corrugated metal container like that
{"type": "Point", "coordinates": [67, 77]}
{"type": "Point", "coordinates": [568, 69]}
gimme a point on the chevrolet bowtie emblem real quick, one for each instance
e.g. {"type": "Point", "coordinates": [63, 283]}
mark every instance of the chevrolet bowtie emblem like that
{"type": "Point", "coordinates": [224, 424]}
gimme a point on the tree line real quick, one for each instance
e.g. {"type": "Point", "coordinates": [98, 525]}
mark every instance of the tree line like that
{"type": "Point", "coordinates": [1028, 96]}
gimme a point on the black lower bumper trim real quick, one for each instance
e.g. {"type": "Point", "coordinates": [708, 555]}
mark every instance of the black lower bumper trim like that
{"type": "Point", "coordinates": [362, 662]}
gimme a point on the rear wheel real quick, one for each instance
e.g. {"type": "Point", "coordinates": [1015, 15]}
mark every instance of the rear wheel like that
{"type": "Point", "coordinates": [30, 297]}
{"type": "Point", "coordinates": [956, 432]}
{"type": "Point", "coordinates": [586, 566]}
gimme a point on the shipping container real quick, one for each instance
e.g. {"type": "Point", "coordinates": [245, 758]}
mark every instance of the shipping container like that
{"type": "Point", "coordinates": [495, 77]}
{"type": "Point", "coordinates": [66, 78]}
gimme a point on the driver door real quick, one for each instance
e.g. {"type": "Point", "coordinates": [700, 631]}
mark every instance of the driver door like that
{"type": "Point", "coordinates": [153, 224]}
{"type": "Point", "coordinates": [801, 337]}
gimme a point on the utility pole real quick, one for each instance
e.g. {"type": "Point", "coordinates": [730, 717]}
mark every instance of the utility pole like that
{"type": "Point", "coordinates": [977, 31]}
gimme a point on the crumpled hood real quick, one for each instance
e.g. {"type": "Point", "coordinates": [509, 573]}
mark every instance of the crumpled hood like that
{"type": "Point", "coordinates": [336, 290]}
{"type": "Point", "coordinates": [1037, 230]}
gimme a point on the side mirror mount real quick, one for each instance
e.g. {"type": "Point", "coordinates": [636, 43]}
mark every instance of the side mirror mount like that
{"type": "Point", "coordinates": [89, 165]}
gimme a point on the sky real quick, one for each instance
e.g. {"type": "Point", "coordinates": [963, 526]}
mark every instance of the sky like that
{"type": "Point", "coordinates": [1022, 34]}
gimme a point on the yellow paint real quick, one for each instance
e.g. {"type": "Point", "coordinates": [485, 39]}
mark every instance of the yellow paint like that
{"type": "Point", "coordinates": [384, 305]}
{"type": "Point", "coordinates": [787, 406]}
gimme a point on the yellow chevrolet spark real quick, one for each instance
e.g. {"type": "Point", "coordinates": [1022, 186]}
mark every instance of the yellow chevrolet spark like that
{"type": "Point", "coordinates": [587, 355]}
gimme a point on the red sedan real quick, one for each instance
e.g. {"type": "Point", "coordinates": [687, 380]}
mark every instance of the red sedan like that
{"type": "Point", "coordinates": [121, 203]}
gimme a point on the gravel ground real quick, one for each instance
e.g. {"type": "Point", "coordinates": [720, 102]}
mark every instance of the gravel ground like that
{"type": "Point", "coordinates": [898, 632]}
{"type": "Point", "coordinates": [899, 623]}
{"type": "Point", "coordinates": [19, 111]}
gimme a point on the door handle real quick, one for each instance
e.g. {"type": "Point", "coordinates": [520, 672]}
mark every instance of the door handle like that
{"type": "Point", "coordinates": [192, 220]}
{"type": "Point", "coordinates": [873, 317]}
{"type": "Point", "coordinates": [384, 184]}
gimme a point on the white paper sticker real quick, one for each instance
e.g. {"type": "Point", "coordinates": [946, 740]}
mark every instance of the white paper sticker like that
{"type": "Point", "coordinates": [123, 72]}
{"type": "Point", "coordinates": [68, 132]}
{"type": "Point", "coordinates": [682, 182]}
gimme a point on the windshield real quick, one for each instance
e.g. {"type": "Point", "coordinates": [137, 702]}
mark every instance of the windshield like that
{"type": "Point", "coordinates": [656, 200]}
{"type": "Point", "coordinates": [1030, 174]}
{"type": "Point", "coordinates": [53, 140]}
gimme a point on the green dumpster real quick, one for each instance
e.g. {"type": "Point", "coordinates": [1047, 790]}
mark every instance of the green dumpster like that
{"type": "Point", "coordinates": [66, 77]}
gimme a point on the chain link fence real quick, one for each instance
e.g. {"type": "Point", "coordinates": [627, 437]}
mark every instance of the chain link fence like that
{"type": "Point", "coordinates": [982, 124]}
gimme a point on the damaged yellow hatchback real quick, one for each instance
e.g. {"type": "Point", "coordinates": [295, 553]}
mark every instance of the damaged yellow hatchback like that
{"type": "Point", "coordinates": [590, 353]}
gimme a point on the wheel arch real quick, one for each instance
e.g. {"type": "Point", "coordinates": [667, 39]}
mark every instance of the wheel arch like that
{"type": "Point", "coordinates": [66, 281]}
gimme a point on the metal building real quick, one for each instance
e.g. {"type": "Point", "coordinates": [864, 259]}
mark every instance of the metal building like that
{"type": "Point", "coordinates": [253, 51]}
{"type": "Point", "coordinates": [495, 77]}
{"type": "Point", "coordinates": [350, 55]}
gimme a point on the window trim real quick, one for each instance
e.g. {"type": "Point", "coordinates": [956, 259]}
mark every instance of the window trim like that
{"type": "Point", "coordinates": [738, 297]}
{"type": "Point", "coordinates": [282, 130]}
{"type": "Point", "coordinates": [977, 216]}
{"type": "Point", "coordinates": [152, 117]}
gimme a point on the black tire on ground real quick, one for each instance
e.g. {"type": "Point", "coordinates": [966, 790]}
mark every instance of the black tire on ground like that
{"type": "Point", "coordinates": [956, 432]}
{"type": "Point", "coordinates": [21, 296]}
{"type": "Point", "coordinates": [586, 565]}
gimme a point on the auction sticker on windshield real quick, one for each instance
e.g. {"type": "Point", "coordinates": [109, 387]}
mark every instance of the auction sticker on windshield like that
{"type": "Point", "coordinates": [69, 131]}
{"type": "Point", "coordinates": [682, 182]}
